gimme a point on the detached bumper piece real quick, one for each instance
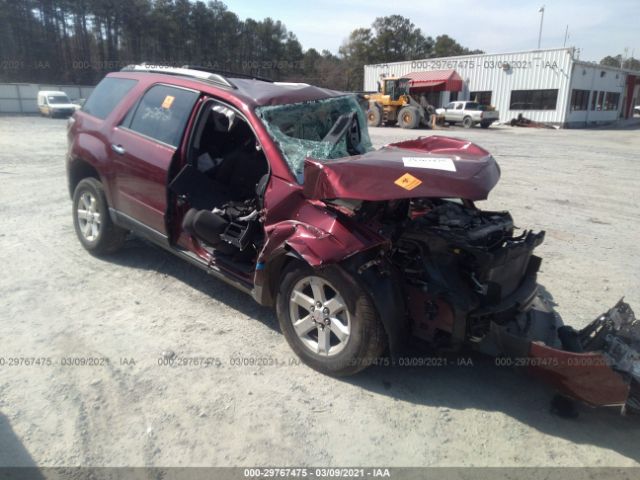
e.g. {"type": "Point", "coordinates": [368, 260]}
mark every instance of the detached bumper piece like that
{"type": "Point", "coordinates": [598, 365]}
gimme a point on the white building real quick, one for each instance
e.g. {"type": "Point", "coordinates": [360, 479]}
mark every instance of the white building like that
{"type": "Point", "coordinates": [543, 85]}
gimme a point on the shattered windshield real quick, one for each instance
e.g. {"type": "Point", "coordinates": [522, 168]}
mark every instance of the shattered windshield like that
{"type": "Point", "coordinates": [301, 130]}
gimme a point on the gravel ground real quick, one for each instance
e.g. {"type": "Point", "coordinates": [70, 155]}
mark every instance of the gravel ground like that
{"type": "Point", "coordinates": [61, 305]}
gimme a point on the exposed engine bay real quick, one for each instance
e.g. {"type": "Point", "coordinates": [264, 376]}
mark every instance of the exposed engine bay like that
{"type": "Point", "coordinates": [469, 259]}
{"type": "Point", "coordinates": [469, 280]}
{"type": "Point", "coordinates": [462, 267]}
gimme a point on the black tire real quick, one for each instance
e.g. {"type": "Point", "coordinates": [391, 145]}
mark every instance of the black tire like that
{"type": "Point", "coordinates": [409, 117]}
{"type": "Point", "coordinates": [485, 124]}
{"type": "Point", "coordinates": [109, 237]}
{"type": "Point", "coordinates": [467, 122]}
{"type": "Point", "coordinates": [374, 116]}
{"type": "Point", "coordinates": [367, 339]}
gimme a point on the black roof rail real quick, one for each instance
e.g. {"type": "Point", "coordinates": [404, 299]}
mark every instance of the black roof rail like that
{"type": "Point", "coordinates": [211, 77]}
{"type": "Point", "coordinates": [226, 73]}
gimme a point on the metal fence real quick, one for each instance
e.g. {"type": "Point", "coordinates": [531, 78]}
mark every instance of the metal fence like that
{"type": "Point", "coordinates": [21, 97]}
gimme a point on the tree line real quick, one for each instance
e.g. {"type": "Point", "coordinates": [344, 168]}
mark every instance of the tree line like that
{"type": "Point", "coordinates": [617, 61]}
{"type": "Point", "coordinates": [79, 41]}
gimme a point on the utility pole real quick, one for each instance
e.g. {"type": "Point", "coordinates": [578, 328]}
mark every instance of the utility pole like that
{"type": "Point", "coordinates": [541, 11]}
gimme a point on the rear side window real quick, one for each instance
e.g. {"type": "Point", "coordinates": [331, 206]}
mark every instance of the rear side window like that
{"type": "Point", "coordinates": [162, 113]}
{"type": "Point", "coordinates": [106, 96]}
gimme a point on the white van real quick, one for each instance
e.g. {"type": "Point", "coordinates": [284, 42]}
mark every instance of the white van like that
{"type": "Point", "coordinates": [54, 103]}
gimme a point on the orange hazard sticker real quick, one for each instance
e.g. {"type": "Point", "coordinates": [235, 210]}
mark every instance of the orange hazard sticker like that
{"type": "Point", "coordinates": [168, 101]}
{"type": "Point", "coordinates": [408, 181]}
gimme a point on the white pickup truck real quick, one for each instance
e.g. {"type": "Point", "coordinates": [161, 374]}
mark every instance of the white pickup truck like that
{"type": "Point", "coordinates": [469, 114]}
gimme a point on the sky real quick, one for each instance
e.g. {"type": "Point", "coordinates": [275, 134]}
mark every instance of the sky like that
{"type": "Point", "coordinates": [599, 28]}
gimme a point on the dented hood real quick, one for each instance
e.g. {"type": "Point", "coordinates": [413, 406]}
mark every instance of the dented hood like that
{"type": "Point", "coordinates": [426, 167]}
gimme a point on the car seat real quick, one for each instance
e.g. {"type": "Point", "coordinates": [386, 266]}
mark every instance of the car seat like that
{"type": "Point", "coordinates": [232, 228]}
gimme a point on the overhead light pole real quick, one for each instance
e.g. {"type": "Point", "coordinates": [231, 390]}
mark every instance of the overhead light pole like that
{"type": "Point", "coordinates": [541, 11]}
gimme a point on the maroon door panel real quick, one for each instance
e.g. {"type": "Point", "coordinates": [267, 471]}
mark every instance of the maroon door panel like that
{"type": "Point", "coordinates": [140, 173]}
{"type": "Point", "coordinates": [142, 149]}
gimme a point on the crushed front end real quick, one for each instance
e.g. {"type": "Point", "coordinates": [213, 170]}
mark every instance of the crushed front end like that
{"type": "Point", "coordinates": [463, 269]}
{"type": "Point", "coordinates": [469, 281]}
{"type": "Point", "coordinates": [468, 276]}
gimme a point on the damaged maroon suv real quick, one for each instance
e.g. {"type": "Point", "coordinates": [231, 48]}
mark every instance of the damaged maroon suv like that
{"type": "Point", "coordinates": [276, 189]}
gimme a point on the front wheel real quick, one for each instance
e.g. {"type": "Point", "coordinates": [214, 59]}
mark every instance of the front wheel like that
{"type": "Point", "coordinates": [374, 116]}
{"type": "Point", "coordinates": [409, 117]}
{"type": "Point", "coordinates": [328, 320]}
{"type": "Point", "coordinates": [467, 122]}
{"type": "Point", "coordinates": [91, 220]}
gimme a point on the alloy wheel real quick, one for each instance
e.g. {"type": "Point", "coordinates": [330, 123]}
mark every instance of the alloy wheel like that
{"type": "Point", "coordinates": [88, 216]}
{"type": "Point", "coordinates": [320, 316]}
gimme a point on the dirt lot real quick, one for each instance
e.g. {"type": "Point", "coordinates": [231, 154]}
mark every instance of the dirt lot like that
{"type": "Point", "coordinates": [59, 303]}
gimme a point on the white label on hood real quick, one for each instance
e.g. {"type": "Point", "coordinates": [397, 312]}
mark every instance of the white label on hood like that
{"type": "Point", "coordinates": [434, 163]}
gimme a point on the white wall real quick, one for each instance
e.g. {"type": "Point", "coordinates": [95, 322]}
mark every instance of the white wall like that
{"type": "Point", "coordinates": [21, 97]}
{"type": "Point", "coordinates": [595, 78]}
{"type": "Point", "coordinates": [538, 69]}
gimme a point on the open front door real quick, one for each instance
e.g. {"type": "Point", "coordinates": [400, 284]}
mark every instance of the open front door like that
{"type": "Point", "coordinates": [142, 149]}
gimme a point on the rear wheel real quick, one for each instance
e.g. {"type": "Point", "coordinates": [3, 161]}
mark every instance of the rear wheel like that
{"type": "Point", "coordinates": [408, 117]}
{"type": "Point", "coordinates": [485, 124]}
{"type": "Point", "coordinates": [374, 116]}
{"type": "Point", "coordinates": [91, 220]}
{"type": "Point", "coordinates": [467, 122]}
{"type": "Point", "coordinates": [328, 320]}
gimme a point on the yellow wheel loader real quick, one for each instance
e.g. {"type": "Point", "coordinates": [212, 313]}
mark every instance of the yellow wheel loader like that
{"type": "Point", "coordinates": [393, 104]}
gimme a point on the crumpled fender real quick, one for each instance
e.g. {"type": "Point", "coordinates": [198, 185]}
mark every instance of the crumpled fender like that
{"type": "Point", "coordinates": [319, 237]}
{"type": "Point", "coordinates": [318, 248]}
{"type": "Point", "coordinates": [316, 236]}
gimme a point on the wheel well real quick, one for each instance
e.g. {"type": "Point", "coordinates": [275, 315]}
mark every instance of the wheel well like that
{"type": "Point", "coordinates": [273, 276]}
{"type": "Point", "coordinates": [79, 170]}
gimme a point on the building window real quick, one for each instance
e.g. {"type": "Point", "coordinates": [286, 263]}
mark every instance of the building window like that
{"type": "Point", "coordinates": [483, 98]}
{"type": "Point", "coordinates": [597, 101]}
{"type": "Point", "coordinates": [611, 101]}
{"type": "Point", "coordinates": [579, 100]}
{"type": "Point", "coordinates": [533, 99]}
